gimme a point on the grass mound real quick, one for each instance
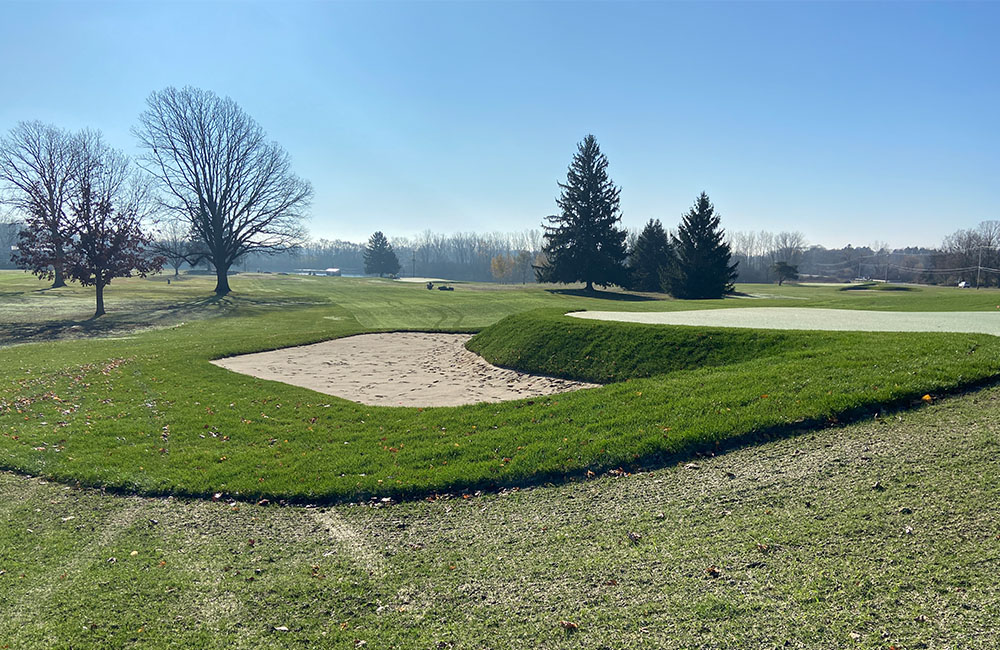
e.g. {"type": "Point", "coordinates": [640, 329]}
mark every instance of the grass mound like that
{"type": "Point", "coordinates": [547, 342]}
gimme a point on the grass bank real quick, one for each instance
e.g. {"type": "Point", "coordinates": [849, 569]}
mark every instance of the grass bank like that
{"type": "Point", "coordinates": [148, 413]}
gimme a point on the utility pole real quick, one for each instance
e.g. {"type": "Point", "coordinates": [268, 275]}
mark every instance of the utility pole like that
{"type": "Point", "coordinates": [979, 269]}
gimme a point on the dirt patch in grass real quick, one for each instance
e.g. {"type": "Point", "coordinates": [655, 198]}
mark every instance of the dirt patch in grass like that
{"type": "Point", "coordinates": [398, 369]}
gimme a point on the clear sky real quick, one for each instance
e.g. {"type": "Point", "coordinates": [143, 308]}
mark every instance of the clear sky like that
{"type": "Point", "coordinates": [851, 122]}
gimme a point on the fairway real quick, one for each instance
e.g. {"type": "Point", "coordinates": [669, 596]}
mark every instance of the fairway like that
{"type": "Point", "coordinates": [795, 318]}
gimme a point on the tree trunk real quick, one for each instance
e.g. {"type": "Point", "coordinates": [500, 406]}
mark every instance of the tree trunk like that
{"type": "Point", "coordinates": [100, 299]}
{"type": "Point", "coordinates": [222, 281]}
{"type": "Point", "coordinates": [590, 286]}
{"type": "Point", "coordinates": [57, 267]}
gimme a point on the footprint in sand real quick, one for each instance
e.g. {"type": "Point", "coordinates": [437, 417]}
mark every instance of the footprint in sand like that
{"type": "Point", "coordinates": [398, 369]}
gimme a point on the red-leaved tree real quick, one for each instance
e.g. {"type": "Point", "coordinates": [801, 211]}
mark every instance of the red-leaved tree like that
{"type": "Point", "coordinates": [108, 207]}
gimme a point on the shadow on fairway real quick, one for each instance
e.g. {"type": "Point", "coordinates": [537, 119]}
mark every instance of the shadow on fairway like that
{"type": "Point", "coordinates": [112, 323]}
{"type": "Point", "coordinates": [603, 295]}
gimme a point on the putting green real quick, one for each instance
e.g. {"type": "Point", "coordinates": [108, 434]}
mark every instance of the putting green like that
{"type": "Point", "coordinates": [803, 318]}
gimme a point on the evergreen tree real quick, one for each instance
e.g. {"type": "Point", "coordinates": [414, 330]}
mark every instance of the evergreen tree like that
{"type": "Point", "coordinates": [702, 268]}
{"type": "Point", "coordinates": [785, 271]}
{"type": "Point", "coordinates": [379, 256]}
{"type": "Point", "coordinates": [650, 258]}
{"type": "Point", "coordinates": [584, 242]}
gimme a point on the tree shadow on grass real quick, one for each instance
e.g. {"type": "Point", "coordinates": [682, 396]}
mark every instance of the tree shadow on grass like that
{"type": "Point", "coordinates": [126, 319]}
{"type": "Point", "coordinates": [604, 295]}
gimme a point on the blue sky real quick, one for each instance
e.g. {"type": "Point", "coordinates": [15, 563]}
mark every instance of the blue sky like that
{"type": "Point", "coordinates": [851, 122]}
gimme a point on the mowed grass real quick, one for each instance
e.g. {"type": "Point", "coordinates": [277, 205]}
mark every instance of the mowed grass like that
{"type": "Point", "coordinates": [146, 412]}
{"type": "Point", "coordinates": [876, 535]}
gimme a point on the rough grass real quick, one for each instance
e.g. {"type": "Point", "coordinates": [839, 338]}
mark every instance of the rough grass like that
{"type": "Point", "coordinates": [875, 535]}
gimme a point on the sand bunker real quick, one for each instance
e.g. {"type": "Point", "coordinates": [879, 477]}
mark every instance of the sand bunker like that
{"type": "Point", "coordinates": [398, 369]}
{"type": "Point", "coordinates": [803, 318]}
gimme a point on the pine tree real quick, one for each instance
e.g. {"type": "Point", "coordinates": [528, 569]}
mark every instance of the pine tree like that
{"type": "Point", "coordinates": [650, 258]}
{"type": "Point", "coordinates": [379, 256]}
{"type": "Point", "coordinates": [584, 242]}
{"type": "Point", "coordinates": [702, 268]}
{"type": "Point", "coordinates": [785, 271]}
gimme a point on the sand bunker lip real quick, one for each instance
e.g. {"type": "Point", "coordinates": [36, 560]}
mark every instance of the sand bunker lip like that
{"type": "Point", "coordinates": [398, 369]}
{"type": "Point", "coordinates": [805, 318]}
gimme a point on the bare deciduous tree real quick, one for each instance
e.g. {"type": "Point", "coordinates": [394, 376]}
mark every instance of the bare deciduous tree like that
{"type": "Point", "coordinates": [788, 247]}
{"type": "Point", "coordinates": [9, 227]}
{"type": "Point", "coordinates": [173, 242]}
{"type": "Point", "coordinates": [36, 162]}
{"type": "Point", "coordinates": [221, 173]}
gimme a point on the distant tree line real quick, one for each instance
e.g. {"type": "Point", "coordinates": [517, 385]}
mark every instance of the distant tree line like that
{"type": "Point", "coordinates": [510, 258]}
{"type": "Point", "coordinates": [758, 252]}
{"type": "Point", "coordinates": [969, 255]}
{"type": "Point", "coordinates": [457, 256]}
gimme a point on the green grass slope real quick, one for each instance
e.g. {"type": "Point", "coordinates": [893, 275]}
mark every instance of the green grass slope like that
{"type": "Point", "coordinates": [547, 342]}
{"type": "Point", "coordinates": [148, 413]}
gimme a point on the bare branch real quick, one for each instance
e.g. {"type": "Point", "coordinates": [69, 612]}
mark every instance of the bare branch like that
{"type": "Point", "coordinates": [218, 171]}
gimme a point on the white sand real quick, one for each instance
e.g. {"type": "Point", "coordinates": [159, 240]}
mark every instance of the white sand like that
{"type": "Point", "coordinates": [398, 369]}
{"type": "Point", "coordinates": [803, 318]}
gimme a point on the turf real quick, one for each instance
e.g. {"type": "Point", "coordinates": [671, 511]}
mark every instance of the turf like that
{"type": "Point", "coordinates": [148, 413]}
{"type": "Point", "coordinates": [878, 286]}
{"type": "Point", "coordinates": [876, 535]}
{"type": "Point", "coordinates": [870, 536]}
